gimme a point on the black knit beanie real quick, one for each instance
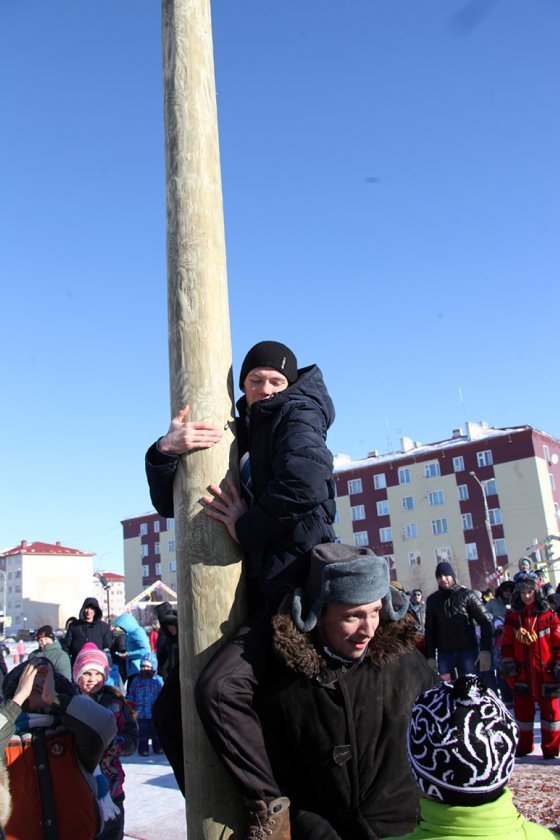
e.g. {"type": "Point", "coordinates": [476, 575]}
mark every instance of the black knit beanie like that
{"type": "Point", "coordinates": [445, 568]}
{"type": "Point", "coordinates": [461, 742]}
{"type": "Point", "coordinates": [270, 354]}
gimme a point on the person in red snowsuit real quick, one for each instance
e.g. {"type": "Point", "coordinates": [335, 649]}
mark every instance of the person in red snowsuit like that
{"type": "Point", "coordinates": [531, 665]}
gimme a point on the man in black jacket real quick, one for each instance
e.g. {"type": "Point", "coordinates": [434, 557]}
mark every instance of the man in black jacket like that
{"type": "Point", "coordinates": [88, 628]}
{"type": "Point", "coordinates": [336, 709]}
{"type": "Point", "coordinates": [285, 508]}
{"type": "Point", "coordinates": [452, 612]}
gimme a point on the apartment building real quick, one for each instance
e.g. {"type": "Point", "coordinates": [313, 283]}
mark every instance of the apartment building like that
{"type": "Point", "coordinates": [149, 552]}
{"type": "Point", "coordinates": [480, 499]}
{"type": "Point", "coordinates": [43, 584]}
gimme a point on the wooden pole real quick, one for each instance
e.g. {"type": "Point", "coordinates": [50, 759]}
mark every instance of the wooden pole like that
{"type": "Point", "coordinates": [208, 565]}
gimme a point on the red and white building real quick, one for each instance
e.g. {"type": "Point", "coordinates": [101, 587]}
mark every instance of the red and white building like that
{"type": "Point", "coordinates": [149, 552]}
{"type": "Point", "coordinates": [479, 499]}
{"type": "Point", "coordinates": [43, 584]}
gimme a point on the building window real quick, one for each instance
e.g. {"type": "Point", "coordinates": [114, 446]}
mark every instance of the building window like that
{"type": "Point", "coordinates": [336, 518]}
{"type": "Point", "coordinates": [170, 524]}
{"type": "Point", "coordinates": [156, 526]}
{"type": "Point", "coordinates": [408, 502]}
{"type": "Point", "coordinates": [495, 516]}
{"type": "Point", "coordinates": [383, 508]}
{"type": "Point", "coordinates": [358, 512]}
{"type": "Point", "coordinates": [157, 548]}
{"type": "Point", "coordinates": [143, 529]}
{"type": "Point", "coordinates": [354, 486]}
{"type": "Point", "coordinates": [390, 558]}
{"type": "Point", "coordinates": [379, 481]}
{"type": "Point", "coordinates": [462, 492]}
{"type": "Point", "coordinates": [171, 545]}
{"type": "Point", "coordinates": [484, 459]}
{"type": "Point", "coordinates": [172, 565]}
{"type": "Point", "coordinates": [158, 568]}
{"type": "Point", "coordinates": [404, 475]}
{"type": "Point", "coordinates": [546, 453]}
{"type": "Point", "coordinates": [444, 555]}
{"type": "Point", "coordinates": [458, 463]}
{"type": "Point", "coordinates": [145, 551]}
{"type": "Point", "coordinates": [435, 498]}
{"type": "Point", "coordinates": [414, 559]}
{"type": "Point", "coordinates": [145, 571]}
{"type": "Point", "coordinates": [431, 470]}
{"type": "Point", "coordinates": [466, 519]}
{"type": "Point", "coordinates": [490, 487]}
{"type": "Point", "coordinates": [557, 509]}
{"type": "Point", "coordinates": [552, 482]}
{"type": "Point", "coordinates": [439, 526]}
{"type": "Point", "coordinates": [500, 547]}
{"type": "Point", "coordinates": [472, 551]}
{"type": "Point", "coordinates": [360, 539]}
{"type": "Point", "coordinates": [385, 535]}
{"type": "Point", "coordinates": [410, 531]}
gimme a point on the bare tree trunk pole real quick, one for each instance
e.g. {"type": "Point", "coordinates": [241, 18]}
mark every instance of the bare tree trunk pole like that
{"type": "Point", "coordinates": [208, 564]}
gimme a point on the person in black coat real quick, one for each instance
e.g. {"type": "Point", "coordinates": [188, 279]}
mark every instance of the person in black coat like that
{"type": "Point", "coordinates": [336, 707]}
{"type": "Point", "coordinates": [168, 640]}
{"type": "Point", "coordinates": [452, 613]}
{"type": "Point", "coordinates": [89, 627]}
{"type": "Point", "coordinates": [286, 507]}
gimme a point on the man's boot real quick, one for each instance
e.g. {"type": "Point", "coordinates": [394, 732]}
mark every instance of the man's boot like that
{"type": "Point", "coordinates": [269, 822]}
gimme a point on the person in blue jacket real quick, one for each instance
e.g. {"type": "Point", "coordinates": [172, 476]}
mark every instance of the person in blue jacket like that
{"type": "Point", "coordinates": [285, 508]}
{"type": "Point", "coordinates": [136, 645]}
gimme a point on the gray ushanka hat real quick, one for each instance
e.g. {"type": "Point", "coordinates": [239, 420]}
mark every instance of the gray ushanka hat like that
{"type": "Point", "coordinates": [344, 574]}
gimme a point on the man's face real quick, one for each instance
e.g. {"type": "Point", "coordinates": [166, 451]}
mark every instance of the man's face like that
{"type": "Point", "coordinates": [527, 596]}
{"type": "Point", "coordinates": [445, 582]}
{"type": "Point", "coordinates": [347, 630]}
{"type": "Point", "coordinates": [43, 641]}
{"type": "Point", "coordinates": [416, 597]}
{"type": "Point", "coordinates": [524, 565]}
{"type": "Point", "coordinates": [89, 614]}
{"type": "Point", "coordinates": [91, 681]}
{"type": "Point", "coordinates": [261, 383]}
{"type": "Point", "coordinates": [506, 595]}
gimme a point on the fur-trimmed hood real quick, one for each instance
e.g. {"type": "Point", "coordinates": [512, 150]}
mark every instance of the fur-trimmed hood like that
{"type": "Point", "coordinates": [297, 651]}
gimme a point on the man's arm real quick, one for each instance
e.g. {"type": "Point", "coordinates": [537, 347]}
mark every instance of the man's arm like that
{"type": "Point", "coordinates": [429, 632]}
{"type": "Point", "coordinates": [480, 614]}
{"type": "Point", "coordinates": [162, 457]}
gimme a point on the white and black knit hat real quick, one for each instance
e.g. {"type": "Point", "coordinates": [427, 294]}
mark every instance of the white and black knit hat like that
{"type": "Point", "coordinates": [461, 742]}
{"type": "Point", "coordinates": [344, 574]}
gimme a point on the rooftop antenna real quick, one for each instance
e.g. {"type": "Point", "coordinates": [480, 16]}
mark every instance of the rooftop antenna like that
{"type": "Point", "coordinates": [389, 441]}
{"type": "Point", "coordinates": [462, 403]}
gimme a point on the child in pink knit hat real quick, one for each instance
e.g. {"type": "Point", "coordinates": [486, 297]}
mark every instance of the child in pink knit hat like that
{"type": "Point", "coordinates": [90, 671]}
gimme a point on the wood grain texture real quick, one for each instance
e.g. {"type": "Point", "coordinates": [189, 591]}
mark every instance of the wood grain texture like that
{"type": "Point", "coordinates": [210, 605]}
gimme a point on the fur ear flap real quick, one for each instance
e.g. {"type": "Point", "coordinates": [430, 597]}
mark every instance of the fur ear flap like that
{"type": "Point", "coordinates": [304, 625]}
{"type": "Point", "coordinates": [395, 604]}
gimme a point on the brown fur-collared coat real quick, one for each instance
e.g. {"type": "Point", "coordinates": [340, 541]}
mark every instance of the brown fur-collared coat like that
{"type": "Point", "coordinates": [336, 737]}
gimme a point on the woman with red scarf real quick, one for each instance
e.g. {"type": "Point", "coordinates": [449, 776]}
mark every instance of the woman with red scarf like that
{"type": "Point", "coordinates": [531, 665]}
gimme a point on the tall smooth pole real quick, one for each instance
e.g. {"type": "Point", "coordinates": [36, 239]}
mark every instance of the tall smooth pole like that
{"type": "Point", "coordinates": [208, 565]}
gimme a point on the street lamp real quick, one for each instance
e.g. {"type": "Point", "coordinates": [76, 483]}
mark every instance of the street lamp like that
{"type": "Point", "coordinates": [486, 519]}
{"type": "Point", "coordinates": [106, 586]}
{"type": "Point", "coordinates": [2, 572]}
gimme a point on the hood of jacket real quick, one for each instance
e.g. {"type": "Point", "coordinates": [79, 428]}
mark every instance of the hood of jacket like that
{"type": "Point", "coordinates": [93, 604]}
{"type": "Point", "coordinates": [127, 622]}
{"type": "Point", "coordinates": [297, 651]}
{"type": "Point", "coordinates": [164, 609]}
{"type": "Point", "coordinates": [308, 386]}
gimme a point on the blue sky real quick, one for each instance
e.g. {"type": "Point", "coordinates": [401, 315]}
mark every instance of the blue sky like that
{"type": "Point", "coordinates": [391, 184]}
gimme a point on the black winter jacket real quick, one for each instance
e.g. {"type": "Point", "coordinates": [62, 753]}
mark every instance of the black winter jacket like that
{"type": "Point", "coordinates": [80, 632]}
{"type": "Point", "coordinates": [291, 507]}
{"type": "Point", "coordinates": [337, 738]}
{"type": "Point", "coordinates": [450, 622]}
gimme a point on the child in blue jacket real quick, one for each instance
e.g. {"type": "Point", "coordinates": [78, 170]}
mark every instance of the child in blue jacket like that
{"type": "Point", "coordinates": [142, 696]}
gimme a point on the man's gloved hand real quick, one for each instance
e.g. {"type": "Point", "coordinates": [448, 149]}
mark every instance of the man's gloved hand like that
{"type": "Point", "coordinates": [484, 660]}
{"type": "Point", "coordinates": [433, 664]}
